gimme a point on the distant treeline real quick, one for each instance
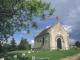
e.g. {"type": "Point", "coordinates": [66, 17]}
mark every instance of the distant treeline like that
{"type": "Point", "coordinates": [13, 46]}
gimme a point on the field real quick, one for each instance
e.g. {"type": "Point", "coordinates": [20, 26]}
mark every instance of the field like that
{"type": "Point", "coordinates": [40, 55]}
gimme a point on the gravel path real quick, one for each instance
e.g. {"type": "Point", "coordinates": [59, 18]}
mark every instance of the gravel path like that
{"type": "Point", "coordinates": [75, 57]}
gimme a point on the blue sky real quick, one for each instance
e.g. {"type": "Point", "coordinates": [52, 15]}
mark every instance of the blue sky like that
{"type": "Point", "coordinates": [69, 13]}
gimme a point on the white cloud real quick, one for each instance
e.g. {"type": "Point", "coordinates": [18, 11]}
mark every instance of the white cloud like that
{"type": "Point", "coordinates": [68, 28]}
{"type": "Point", "coordinates": [62, 1]}
{"type": "Point", "coordinates": [72, 14]}
{"type": "Point", "coordinates": [72, 41]}
{"type": "Point", "coordinates": [48, 26]}
{"type": "Point", "coordinates": [32, 43]}
{"type": "Point", "coordinates": [47, 1]}
{"type": "Point", "coordinates": [78, 9]}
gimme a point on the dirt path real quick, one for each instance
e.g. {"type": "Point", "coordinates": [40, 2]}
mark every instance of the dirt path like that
{"type": "Point", "coordinates": [75, 57]}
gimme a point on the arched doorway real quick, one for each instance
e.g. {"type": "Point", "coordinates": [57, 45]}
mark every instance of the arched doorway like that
{"type": "Point", "coordinates": [59, 44]}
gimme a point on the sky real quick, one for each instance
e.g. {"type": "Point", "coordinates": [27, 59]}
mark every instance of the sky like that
{"type": "Point", "coordinates": [69, 13]}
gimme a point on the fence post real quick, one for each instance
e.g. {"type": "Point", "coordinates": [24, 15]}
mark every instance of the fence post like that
{"type": "Point", "coordinates": [33, 57]}
{"type": "Point", "coordinates": [1, 58]}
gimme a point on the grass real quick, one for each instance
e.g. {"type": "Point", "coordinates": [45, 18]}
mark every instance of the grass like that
{"type": "Point", "coordinates": [51, 55]}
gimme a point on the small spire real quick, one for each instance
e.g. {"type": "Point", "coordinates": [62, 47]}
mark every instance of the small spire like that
{"type": "Point", "coordinates": [58, 19]}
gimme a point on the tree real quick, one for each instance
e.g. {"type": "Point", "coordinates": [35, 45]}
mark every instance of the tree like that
{"type": "Point", "coordinates": [17, 15]}
{"type": "Point", "coordinates": [6, 12]}
{"type": "Point", "coordinates": [77, 44]}
{"type": "Point", "coordinates": [13, 46]}
{"type": "Point", "coordinates": [6, 47]}
{"type": "Point", "coordinates": [0, 47]}
{"type": "Point", "coordinates": [24, 45]}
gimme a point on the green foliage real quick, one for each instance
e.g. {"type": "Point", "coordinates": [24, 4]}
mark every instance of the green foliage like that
{"type": "Point", "coordinates": [56, 55]}
{"type": "Point", "coordinates": [0, 47]}
{"type": "Point", "coordinates": [52, 55]}
{"type": "Point", "coordinates": [77, 44]}
{"type": "Point", "coordinates": [19, 57]}
{"type": "Point", "coordinates": [6, 12]}
{"type": "Point", "coordinates": [7, 9]}
{"type": "Point", "coordinates": [24, 45]}
{"type": "Point", "coordinates": [6, 47]}
{"type": "Point", "coordinates": [13, 46]}
{"type": "Point", "coordinates": [17, 15]}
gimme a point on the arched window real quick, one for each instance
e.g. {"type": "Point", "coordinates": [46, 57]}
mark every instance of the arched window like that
{"type": "Point", "coordinates": [45, 38]}
{"type": "Point", "coordinates": [38, 39]}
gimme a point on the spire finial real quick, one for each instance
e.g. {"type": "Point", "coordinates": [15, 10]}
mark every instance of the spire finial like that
{"type": "Point", "coordinates": [58, 19]}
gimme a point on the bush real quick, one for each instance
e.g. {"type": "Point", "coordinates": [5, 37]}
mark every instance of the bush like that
{"type": "Point", "coordinates": [77, 44]}
{"type": "Point", "coordinates": [1, 55]}
{"type": "Point", "coordinates": [19, 57]}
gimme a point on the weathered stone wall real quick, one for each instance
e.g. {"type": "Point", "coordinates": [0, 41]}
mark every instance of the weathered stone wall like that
{"type": "Point", "coordinates": [58, 30]}
{"type": "Point", "coordinates": [39, 44]}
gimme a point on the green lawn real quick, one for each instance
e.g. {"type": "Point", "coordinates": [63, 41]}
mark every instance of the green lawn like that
{"type": "Point", "coordinates": [51, 55]}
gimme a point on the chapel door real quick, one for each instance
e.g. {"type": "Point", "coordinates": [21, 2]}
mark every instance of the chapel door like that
{"type": "Point", "coordinates": [59, 44]}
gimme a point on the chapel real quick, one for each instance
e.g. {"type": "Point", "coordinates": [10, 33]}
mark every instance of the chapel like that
{"type": "Point", "coordinates": [52, 38]}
